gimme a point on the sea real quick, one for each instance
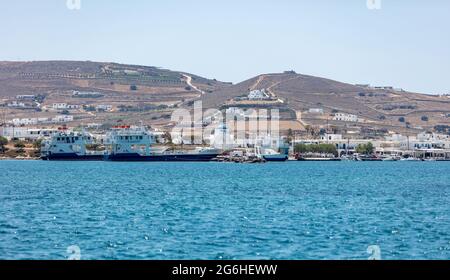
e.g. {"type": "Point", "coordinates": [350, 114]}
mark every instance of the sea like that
{"type": "Point", "coordinates": [224, 211]}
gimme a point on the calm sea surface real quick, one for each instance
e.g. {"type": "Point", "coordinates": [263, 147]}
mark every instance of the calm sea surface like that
{"type": "Point", "coordinates": [295, 210]}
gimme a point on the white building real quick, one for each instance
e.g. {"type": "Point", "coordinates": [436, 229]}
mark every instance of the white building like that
{"type": "Point", "coordinates": [25, 97]}
{"type": "Point", "coordinates": [62, 119]}
{"type": "Point", "coordinates": [331, 137]}
{"type": "Point", "coordinates": [15, 104]}
{"type": "Point", "coordinates": [316, 111]}
{"type": "Point", "coordinates": [72, 107]}
{"type": "Point", "coordinates": [59, 106]}
{"type": "Point", "coordinates": [24, 121]}
{"type": "Point", "coordinates": [24, 133]}
{"type": "Point", "coordinates": [103, 107]}
{"type": "Point", "coordinates": [345, 117]}
{"type": "Point", "coordinates": [258, 95]}
{"type": "Point", "coordinates": [35, 121]}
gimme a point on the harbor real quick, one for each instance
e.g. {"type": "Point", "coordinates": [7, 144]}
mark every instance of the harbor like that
{"type": "Point", "coordinates": [140, 143]}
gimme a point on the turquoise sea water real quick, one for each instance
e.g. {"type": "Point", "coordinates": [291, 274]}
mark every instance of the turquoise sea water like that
{"type": "Point", "coordinates": [295, 210]}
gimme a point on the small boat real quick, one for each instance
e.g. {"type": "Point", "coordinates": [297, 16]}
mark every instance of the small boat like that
{"type": "Point", "coordinates": [370, 158]}
{"type": "Point", "coordinates": [410, 159]}
{"type": "Point", "coordinates": [271, 155]}
{"type": "Point", "coordinates": [346, 158]}
{"type": "Point", "coordinates": [389, 159]}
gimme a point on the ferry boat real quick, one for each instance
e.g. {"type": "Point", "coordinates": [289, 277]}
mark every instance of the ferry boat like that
{"type": "Point", "coordinates": [271, 155]}
{"type": "Point", "coordinates": [69, 145]}
{"type": "Point", "coordinates": [129, 143]}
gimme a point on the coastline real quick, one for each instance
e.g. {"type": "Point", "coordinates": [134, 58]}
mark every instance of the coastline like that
{"type": "Point", "coordinates": [19, 158]}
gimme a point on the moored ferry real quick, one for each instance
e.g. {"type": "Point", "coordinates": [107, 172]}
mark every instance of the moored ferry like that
{"type": "Point", "coordinates": [130, 143]}
{"type": "Point", "coordinates": [70, 145]}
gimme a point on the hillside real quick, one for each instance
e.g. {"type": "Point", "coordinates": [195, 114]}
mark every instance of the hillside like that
{"type": "Point", "coordinates": [377, 108]}
{"type": "Point", "coordinates": [41, 76]}
{"type": "Point", "coordinates": [132, 93]}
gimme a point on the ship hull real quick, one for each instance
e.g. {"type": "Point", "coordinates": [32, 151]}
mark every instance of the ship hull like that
{"type": "Point", "coordinates": [168, 157]}
{"type": "Point", "coordinates": [72, 157]}
{"type": "Point", "coordinates": [275, 158]}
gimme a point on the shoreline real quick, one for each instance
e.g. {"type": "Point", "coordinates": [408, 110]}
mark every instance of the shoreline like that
{"type": "Point", "coordinates": [24, 159]}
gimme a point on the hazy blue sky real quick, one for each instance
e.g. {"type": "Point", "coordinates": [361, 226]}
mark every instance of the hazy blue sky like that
{"type": "Point", "coordinates": [405, 44]}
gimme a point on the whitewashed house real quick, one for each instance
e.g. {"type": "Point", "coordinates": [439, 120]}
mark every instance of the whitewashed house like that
{"type": "Point", "coordinates": [345, 117]}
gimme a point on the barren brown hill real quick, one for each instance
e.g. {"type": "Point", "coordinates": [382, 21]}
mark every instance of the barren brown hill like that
{"type": "Point", "coordinates": [42, 77]}
{"type": "Point", "coordinates": [150, 94]}
{"type": "Point", "coordinates": [386, 109]}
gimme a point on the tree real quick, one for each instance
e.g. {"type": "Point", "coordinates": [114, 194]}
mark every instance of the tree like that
{"type": "Point", "coordinates": [424, 118]}
{"type": "Point", "coordinates": [367, 149]}
{"type": "Point", "coordinates": [370, 149]}
{"type": "Point", "coordinates": [19, 145]}
{"type": "Point", "coordinates": [290, 135]}
{"type": "Point", "coordinates": [301, 148]}
{"type": "Point", "coordinates": [316, 148]}
{"type": "Point", "coordinates": [3, 143]}
{"type": "Point", "coordinates": [401, 119]}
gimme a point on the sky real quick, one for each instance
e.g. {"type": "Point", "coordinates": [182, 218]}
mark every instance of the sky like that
{"type": "Point", "coordinates": [400, 43]}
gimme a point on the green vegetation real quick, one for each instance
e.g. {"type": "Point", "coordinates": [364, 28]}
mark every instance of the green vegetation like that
{"type": "Point", "coordinates": [3, 143]}
{"type": "Point", "coordinates": [316, 148]}
{"type": "Point", "coordinates": [424, 118]}
{"type": "Point", "coordinates": [141, 108]}
{"type": "Point", "coordinates": [19, 145]}
{"type": "Point", "coordinates": [290, 135]}
{"type": "Point", "coordinates": [367, 149]}
{"type": "Point", "coordinates": [401, 119]}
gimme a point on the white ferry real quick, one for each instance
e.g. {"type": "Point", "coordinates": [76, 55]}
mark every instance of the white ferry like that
{"type": "Point", "coordinates": [129, 143]}
{"type": "Point", "coordinates": [269, 154]}
{"type": "Point", "coordinates": [69, 145]}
